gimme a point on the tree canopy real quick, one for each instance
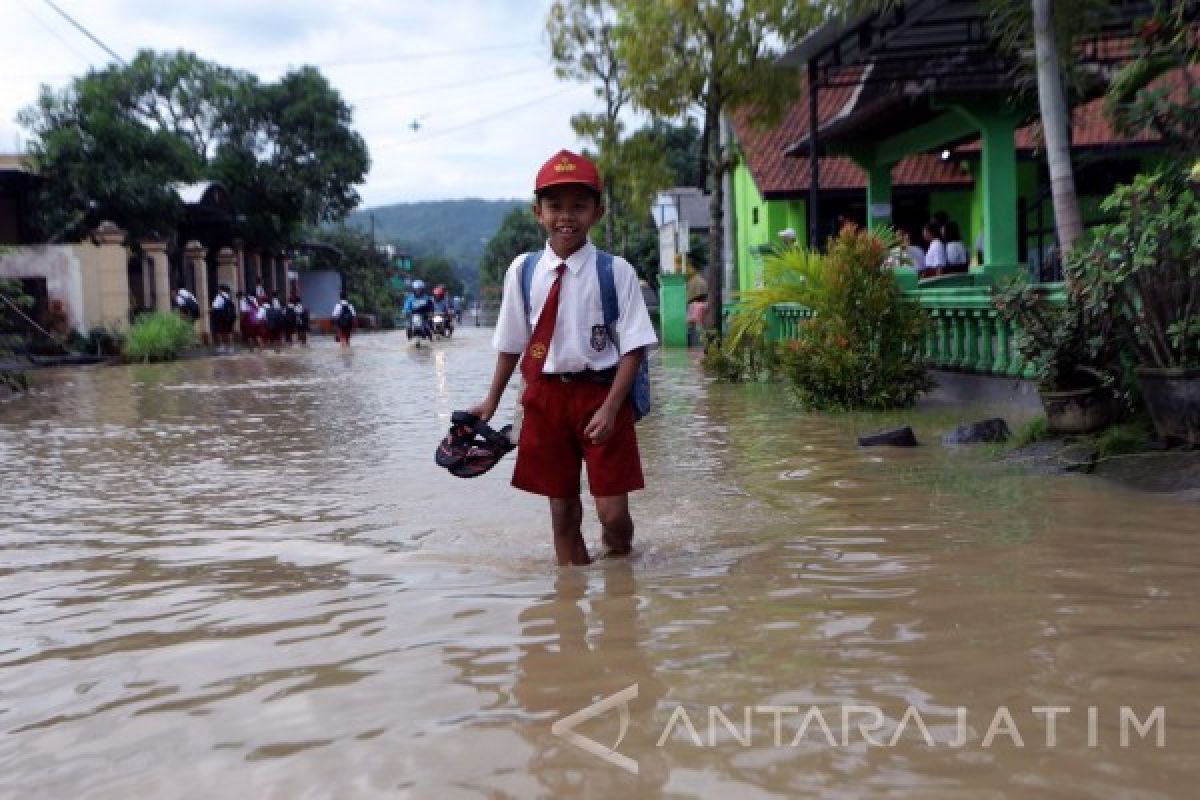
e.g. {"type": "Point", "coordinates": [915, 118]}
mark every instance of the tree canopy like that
{"type": "Point", "coordinates": [519, 233]}
{"type": "Point", "coordinates": [112, 143]}
{"type": "Point", "coordinates": [711, 57]}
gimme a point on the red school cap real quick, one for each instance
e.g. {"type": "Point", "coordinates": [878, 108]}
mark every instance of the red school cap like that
{"type": "Point", "coordinates": [567, 167]}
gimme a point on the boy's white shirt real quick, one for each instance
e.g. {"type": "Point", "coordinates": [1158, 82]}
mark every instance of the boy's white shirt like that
{"type": "Point", "coordinates": [580, 312]}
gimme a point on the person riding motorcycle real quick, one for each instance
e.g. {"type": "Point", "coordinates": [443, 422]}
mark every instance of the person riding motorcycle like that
{"type": "Point", "coordinates": [417, 302]}
{"type": "Point", "coordinates": [441, 305]}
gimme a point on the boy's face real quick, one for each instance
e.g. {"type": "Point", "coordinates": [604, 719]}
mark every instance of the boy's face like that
{"type": "Point", "coordinates": [566, 213]}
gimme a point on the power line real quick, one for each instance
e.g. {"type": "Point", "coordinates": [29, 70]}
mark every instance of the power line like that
{"type": "Point", "coordinates": [457, 84]}
{"type": "Point", "coordinates": [53, 33]}
{"type": "Point", "coordinates": [86, 32]}
{"type": "Point", "coordinates": [487, 117]}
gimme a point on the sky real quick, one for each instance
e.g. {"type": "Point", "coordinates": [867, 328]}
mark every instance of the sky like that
{"type": "Point", "coordinates": [475, 75]}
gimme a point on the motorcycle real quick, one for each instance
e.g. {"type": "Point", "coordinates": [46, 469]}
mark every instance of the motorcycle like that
{"type": "Point", "coordinates": [442, 326]}
{"type": "Point", "coordinates": [419, 328]}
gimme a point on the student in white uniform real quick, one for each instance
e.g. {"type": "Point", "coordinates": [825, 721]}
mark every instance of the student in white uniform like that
{"type": "Point", "coordinates": [343, 316]}
{"type": "Point", "coordinates": [577, 407]}
{"type": "Point", "coordinates": [957, 259]}
{"type": "Point", "coordinates": [935, 253]}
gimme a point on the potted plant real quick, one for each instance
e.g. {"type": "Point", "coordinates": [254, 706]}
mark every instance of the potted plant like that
{"type": "Point", "coordinates": [1067, 340]}
{"type": "Point", "coordinates": [1147, 269]}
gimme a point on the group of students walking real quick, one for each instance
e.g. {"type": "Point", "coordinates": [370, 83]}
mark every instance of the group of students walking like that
{"type": "Point", "coordinates": [262, 319]}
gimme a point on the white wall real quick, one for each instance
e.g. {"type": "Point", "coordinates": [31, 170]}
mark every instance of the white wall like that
{"type": "Point", "coordinates": [60, 266]}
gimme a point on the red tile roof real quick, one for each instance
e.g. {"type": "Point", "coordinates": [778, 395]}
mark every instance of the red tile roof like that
{"type": "Point", "coordinates": [1090, 125]}
{"type": "Point", "coordinates": [776, 174]}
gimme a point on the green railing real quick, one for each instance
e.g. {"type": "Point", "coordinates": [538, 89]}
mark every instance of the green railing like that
{"type": "Point", "coordinates": [966, 333]}
{"type": "Point", "coordinates": [784, 322]}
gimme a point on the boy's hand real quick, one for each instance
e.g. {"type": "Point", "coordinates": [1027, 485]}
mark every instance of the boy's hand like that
{"type": "Point", "coordinates": [485, 410]}
{"type": "Point", "coordinates": [602, 424]}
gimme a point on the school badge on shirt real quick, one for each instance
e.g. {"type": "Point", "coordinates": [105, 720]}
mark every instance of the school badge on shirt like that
{"type": "Point", "coordinates": [599, 338]}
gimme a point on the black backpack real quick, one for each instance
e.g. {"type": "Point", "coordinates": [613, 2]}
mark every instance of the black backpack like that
{"type": "Point", "coordinates": [191, 307]}
{"type": "Point", "coordinates": [345, 317]}
{"type": "Point", "coordinates": [274, 319]}
{"type": "Point", "coordinates": [228, 311]}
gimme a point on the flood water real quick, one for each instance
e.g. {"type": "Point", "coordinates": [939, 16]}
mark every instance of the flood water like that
{"type": "Point", "coordinates": [245, 577]}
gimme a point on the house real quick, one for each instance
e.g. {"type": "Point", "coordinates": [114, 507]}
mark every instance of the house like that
{"type": "Point", "coordinates": [104, 280]}
{"type": "Point", "coordinates": [913, 110]}
{"type": "Point", "coordinates": [679, 213]}
{"type": "Point", "coordinates": [941, 129]}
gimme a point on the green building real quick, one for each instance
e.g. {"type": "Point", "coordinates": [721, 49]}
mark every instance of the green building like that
{"type": "Point", "coordinates": [916, 113]}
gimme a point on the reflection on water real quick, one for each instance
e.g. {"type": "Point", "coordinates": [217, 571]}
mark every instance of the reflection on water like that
{"type": "Point", "coordinates": [243, 576]}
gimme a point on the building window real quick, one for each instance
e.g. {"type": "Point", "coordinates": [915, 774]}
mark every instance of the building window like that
{"type": "Point", "coordinates": [754, 215]}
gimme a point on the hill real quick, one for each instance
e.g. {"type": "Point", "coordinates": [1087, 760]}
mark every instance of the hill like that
{"type": "Point", "coordinates": [456, 229]}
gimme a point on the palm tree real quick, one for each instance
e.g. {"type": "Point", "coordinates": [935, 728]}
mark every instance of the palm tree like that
{"type": "Point", "coordinates": [1052, 102]}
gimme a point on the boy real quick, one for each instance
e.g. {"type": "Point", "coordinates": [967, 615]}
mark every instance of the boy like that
{"type": "Point", "coordinates": [576, 401]}
{"type": "Point", "coordinates": [223, 314]}
{"type": "Point", "coordinates": [343, 316]}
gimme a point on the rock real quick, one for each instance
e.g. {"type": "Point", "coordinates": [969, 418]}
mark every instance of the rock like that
{"type": "Point", "coordinates": [988, 430]}
{"type": "Point", "coordinates": [896, 437]}
{"type": "Point", "coordinates": [1078, 458]}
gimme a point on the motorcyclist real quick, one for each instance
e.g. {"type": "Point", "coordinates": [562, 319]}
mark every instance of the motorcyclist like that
{"type": "Point", "coordinates": [418, 302]}
{"type": "Point", "coordinates": [441, 305]}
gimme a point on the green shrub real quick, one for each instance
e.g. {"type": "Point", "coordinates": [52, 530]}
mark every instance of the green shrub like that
{"type": "Point", "coordinates": [158, 336]}
{"type": "Point", "coordinates": [1035, 430]}
{"type": "Point", "coordinates": [862, 347]}
{"type": "Point", "coordinates": [1128, 437]}
{"type": "Point", "coordinates": [790, 275]}
{"type": "Point", "coordinates": [1144, 269]}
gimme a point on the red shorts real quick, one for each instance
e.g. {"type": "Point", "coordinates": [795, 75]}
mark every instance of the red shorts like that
{"type": "Point", "coordinates": [553, 446]}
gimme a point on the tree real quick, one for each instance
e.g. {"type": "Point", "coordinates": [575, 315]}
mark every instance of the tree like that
{"type": "Point", "coordinates": [584, 49]}
{"type": "Point", "coordinates": [435, 270]}
{"type": "Point", "coordinates": [519, 232]}
{"type": "Point", "coordinates": [1056, 127]}
{"type": "Point", "coordinates": [713, 56]}
{"type": "Point", "coordinates": [1139, 98]}
{"type": "Point", "coordinates": [658, 155]}
{"type": "Point", "coordinates": [290, 158]}
{"type": "Point", "coordinates": [117, 139]}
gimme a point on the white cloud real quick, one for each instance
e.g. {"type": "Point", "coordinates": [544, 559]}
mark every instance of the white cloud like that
{"type": "Point", "coordinates": [499, 113]}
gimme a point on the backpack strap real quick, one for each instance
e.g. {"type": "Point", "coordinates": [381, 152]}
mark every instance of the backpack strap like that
{"type": "Point", "coordinates": [527, 267]}
{"type": "Point", "coordinates": [607, 292]}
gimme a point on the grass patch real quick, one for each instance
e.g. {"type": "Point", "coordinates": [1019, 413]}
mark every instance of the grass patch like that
{"type": "Point", "coordinates": [158, 336]}
{"type": "Point", "coordinates": [1128, 437]}
{"type": "Point", "coordinates": [1035, 430]}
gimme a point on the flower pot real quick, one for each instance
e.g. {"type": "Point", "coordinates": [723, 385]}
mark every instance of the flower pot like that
{"type": "Point", "coordinates": [1173, 398]}
{"type": "Point", "coordinates": [1079, 410]}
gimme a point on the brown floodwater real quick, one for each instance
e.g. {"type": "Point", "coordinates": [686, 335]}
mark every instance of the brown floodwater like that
{"type": "Point", "coordinates": [245, 577]}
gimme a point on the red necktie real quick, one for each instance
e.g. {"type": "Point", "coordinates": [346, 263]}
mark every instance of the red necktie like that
{"type": "Point", "coordinates": [539, 342]}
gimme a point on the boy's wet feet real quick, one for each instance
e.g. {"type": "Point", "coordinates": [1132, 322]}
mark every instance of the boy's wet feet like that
{"type": "Point", "coordinates": [614, 548]}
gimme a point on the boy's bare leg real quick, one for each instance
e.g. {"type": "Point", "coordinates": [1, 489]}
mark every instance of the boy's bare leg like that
{"type": "Point", "coordinates": [566, 517]}
{"type": "Point", "coordinates": [617, 524]}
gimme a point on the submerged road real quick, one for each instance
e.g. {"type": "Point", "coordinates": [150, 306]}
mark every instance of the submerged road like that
{"type": "Point", "coordinates": [244, 577]}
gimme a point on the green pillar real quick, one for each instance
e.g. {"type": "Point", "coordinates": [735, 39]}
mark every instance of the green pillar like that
{"type": "Point", "coordinates": [998, 171]}
{"type": "Point", "coordinates": [672, 309]}
{"type": "Point", "coordinates": [879, 186]}
{"type": "Point", "coordinates": [879, 195]}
